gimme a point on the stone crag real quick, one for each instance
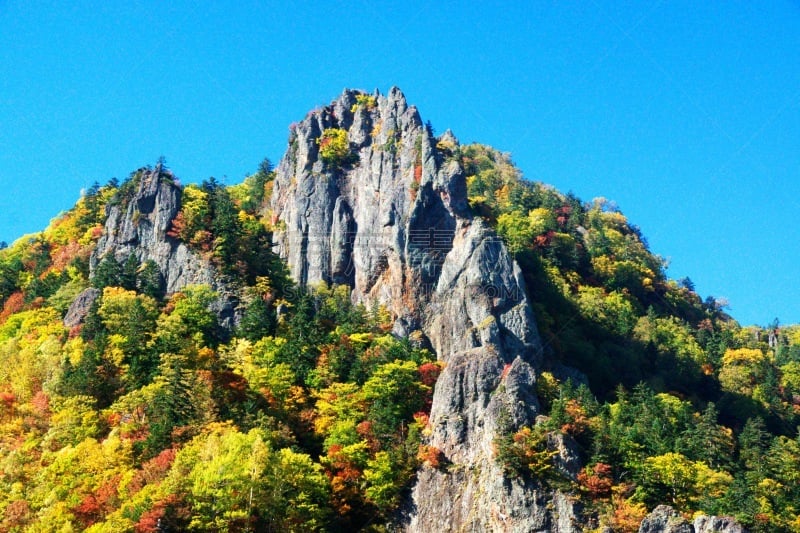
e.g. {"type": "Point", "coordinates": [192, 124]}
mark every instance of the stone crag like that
{"type": "Point", "coordinates": [139, 225]}
{"type": "Point", "coordinates": [392, 221]}
{"type": "Point", "coordinates": [665, 519]}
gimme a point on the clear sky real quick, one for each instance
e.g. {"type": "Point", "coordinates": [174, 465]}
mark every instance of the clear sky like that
{"type": "Point", "coordinates": [687, 114]}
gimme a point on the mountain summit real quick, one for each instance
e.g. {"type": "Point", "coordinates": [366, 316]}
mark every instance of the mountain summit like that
{"type": "Point", "coordinates": [389, 331]}
{"type": "Point", "coordinates": [389, 217]}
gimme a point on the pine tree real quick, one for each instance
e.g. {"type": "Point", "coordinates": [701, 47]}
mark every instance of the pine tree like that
{"type": "Point", "coordinates": [149, 281]}
{"type": "Point", "coordinates": [128, 274]}
{"type": "Point", "coordinates": [108, 273]}
{"type": "Point", "coordinates": [707, 441]}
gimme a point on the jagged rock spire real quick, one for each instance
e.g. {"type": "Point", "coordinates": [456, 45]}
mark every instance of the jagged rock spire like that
{"type": "Point", "coordinates": [139, 225]}
{"type": "Point", "coordinates": [392, 221]}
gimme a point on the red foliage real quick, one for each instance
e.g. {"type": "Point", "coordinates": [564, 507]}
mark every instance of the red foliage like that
{"type": "Point", "coordinates": [598, 483]}
{"type": "Point", "coordinates": [41, 403]}
{"type": "Point", "coordinates": [88, 511]}
{"type": "Point", "coordinates": [178, 226]}
{"type": "Point", "coordinates": [17, 514]}
{"type": "Point", "coordinates": [169, 508]}
{"type": "Point", "coordinates": [429, 373]}
{"type": "Point", "coordinates": [102, 501]}
{"type": "Point", "coordinates": [156, 468]}
{"type": "Point", "coordinates": [506, 370]}
{"type": "Point", "coordinates": [430, 456]}
{"type": "Point", "coordinates": [14, 304]}
{"type": "Point", "coordinates": [150, 520]}
{"type": "Point", "coordinates": [579, 422]}
{"type": "Point", "coordinates": [418, 173]}
{"type": "Point", "coordinates": [8, 399]}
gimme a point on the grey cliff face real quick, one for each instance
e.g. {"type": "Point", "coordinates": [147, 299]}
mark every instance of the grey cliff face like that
{"type": "Point", "coordinates": [393, 223]}
{"type": "Point", "coordinates": [665, 519]}
{"type": "Point", "coordinates": [80, 307]}
{"type": "Point", "coordinates": [141, 227]}
{"type": "Point", "coordinates": [721, 524]}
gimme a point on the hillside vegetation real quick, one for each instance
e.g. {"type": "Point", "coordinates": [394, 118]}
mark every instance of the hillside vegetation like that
{"type": "Point", "coordinates": [311, 416]}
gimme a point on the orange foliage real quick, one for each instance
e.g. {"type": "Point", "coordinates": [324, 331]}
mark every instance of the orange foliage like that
{"type": "Point", "coordinates": [74, 331]}
{"type": "Point", "coordinates": [14, 304]}
{"type": "Point", "coordinates": [41, 403]}
{"type": "Point", "coordinates": [430, 456]}
{"type": "Point", "coordinates": [17, 514]}
{"type": "Point", "coordinates": [626, 515]}
{"type": "Point", "coordinates": [579, 421]}
{"type": "Point", "coordinates": [65, 254]}
{"type": "Point", "coordinates": [96, 505]}
{"type": "Point", "coordinates": [422, 418]}
{"type": "Point", "coordinates": [598, 481]}
{"type": "Point", "coordinates": [178, 226]}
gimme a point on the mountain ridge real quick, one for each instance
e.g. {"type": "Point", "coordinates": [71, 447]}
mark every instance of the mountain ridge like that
{"type": "Point", "coordinates": [430, 364]}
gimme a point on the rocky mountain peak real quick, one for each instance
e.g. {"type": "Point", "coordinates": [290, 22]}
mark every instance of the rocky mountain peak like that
{"type": "Point", "coordinates": [138, 222]}
{"type": "Point", "coordinates": [366, 196]}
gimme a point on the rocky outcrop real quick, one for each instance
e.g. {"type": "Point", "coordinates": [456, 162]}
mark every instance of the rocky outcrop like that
{"type": "Point", "coordinates": [391, 220]}
{"type": "Point", "coordinates": [568, 461]}
{"type": "Point", "coordinates": [665, 519]}
{"type": "Point", "coordinates": [138, 224]}
{"type": "Point", "coordinates": [721, 524]}
{"type": "Point", "coordinates": [80, 307]}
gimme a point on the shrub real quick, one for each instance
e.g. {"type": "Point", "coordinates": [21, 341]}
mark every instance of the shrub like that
{"type": "Point", "coordinates": [334, 148]}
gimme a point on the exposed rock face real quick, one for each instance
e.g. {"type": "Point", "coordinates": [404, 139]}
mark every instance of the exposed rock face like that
{"type": "Point", "coordinates": [665, 519]}
{"type": "Point", "coordinates": [140, 228]}
{"type": "Point", "coordinates": [394, 224]}
{"type": "Point", "coordinates": [80, 307]}
{"type": "Point", "coordinates": [568, 461]}
{"type": "Point", "coordinates": [722, 524]}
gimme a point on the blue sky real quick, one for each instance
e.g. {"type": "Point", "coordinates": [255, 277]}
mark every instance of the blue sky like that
{"type": "Point", "coordinates": [687, 114]}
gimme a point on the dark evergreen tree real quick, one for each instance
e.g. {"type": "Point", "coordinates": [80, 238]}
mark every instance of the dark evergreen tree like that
{"type": "Point", "coordinates": [108, 273]}
{"type": "Point", "coordinates": [754, 441]}
{"type": "Point", "coordinates": [225, 227]}
{"type": "Point", "coordinates": [149, 281]}
{"type": "Point", "coordinates": [129, 273]}
{"type": "Point", "coordinates": [258, 320]}
{"type": "Point", "coordinates": [9, 277]}
{"type": "Point", "coordinates": [172, 406]}
{"type": "Point", "coordinates": [707, 441]}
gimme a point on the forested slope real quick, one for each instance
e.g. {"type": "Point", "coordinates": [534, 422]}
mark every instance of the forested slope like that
{"type": "Point", "coordinates": [250, 402]}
